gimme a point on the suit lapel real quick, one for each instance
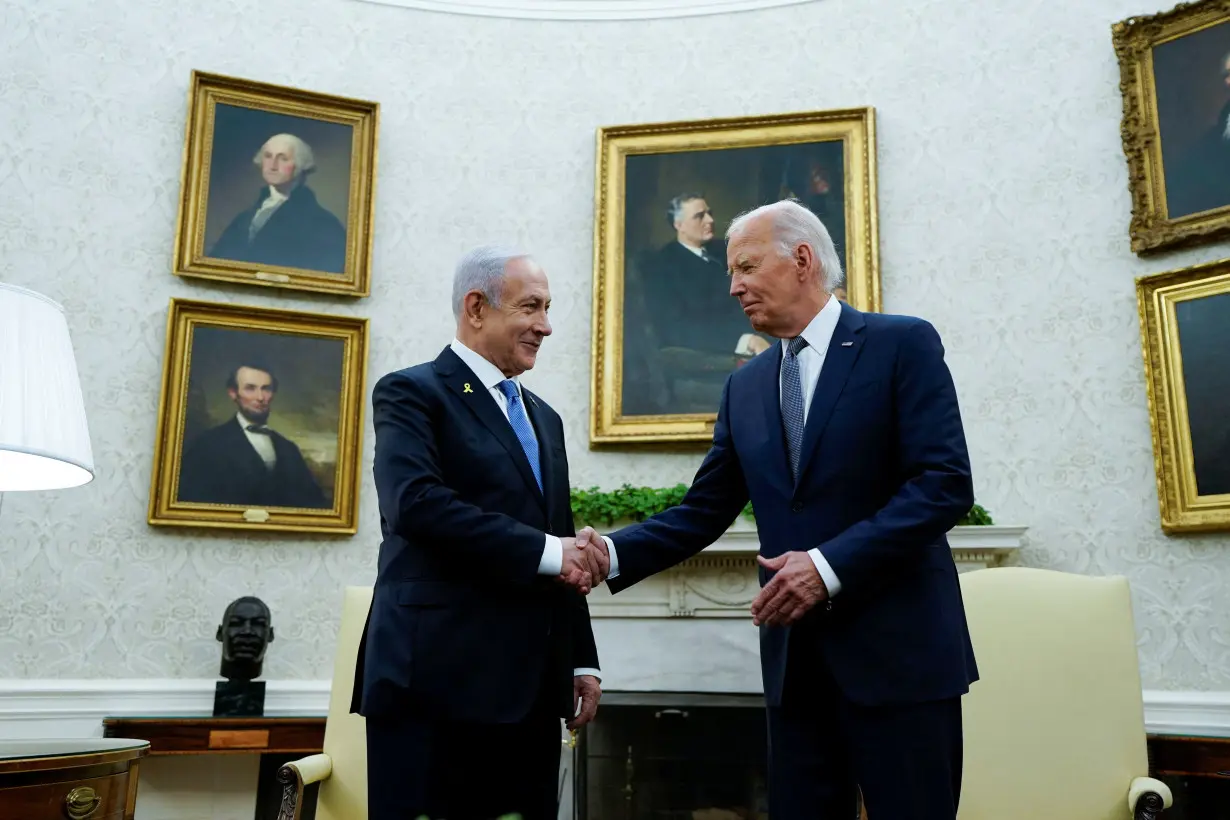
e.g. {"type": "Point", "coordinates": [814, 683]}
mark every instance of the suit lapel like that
{"type": "Point", "coordinates": [843, 352]}
{"type": "Point", "coordinates": [462, 381]}
{"type": "Point", "coordinates": [252, 461]}
{"type": "Point", "coordinates": [769, 387]}
{"type": "Point", "coordinates": [545, 443]}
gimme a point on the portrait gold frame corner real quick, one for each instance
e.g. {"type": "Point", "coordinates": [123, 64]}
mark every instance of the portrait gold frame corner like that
{"type": "Point", "coordinates": [1150, 229]}
{"type": "Point", "coordinates": [1182, 508]}
{"type": "Point", "coordinates": [205, 92]}
{"type": "Point", "coordinates": [854, 127]}
{"type": "Point", "coordinates": [183, 316]}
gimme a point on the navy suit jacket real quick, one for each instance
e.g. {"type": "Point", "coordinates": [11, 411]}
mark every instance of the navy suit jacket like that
{"type": "Point", "coordinates": [462, 627]}
{"type": "Point", "coordinates": [884, 474]}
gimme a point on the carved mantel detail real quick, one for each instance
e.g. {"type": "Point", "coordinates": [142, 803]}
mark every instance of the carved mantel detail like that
{"type": "Point", "coordinates": [722, 581]}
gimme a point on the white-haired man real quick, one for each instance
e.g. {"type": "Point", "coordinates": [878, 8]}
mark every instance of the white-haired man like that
{"type": "Point", "coordinates": [847, 438]}
{"type": "Point", "coordinates": [286, 226]}
{"type": "Point", "coordinates": [478, 641]}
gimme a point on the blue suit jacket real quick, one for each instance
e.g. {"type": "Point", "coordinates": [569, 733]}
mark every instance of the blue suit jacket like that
{"type": "Point", "coordinates": [462, 627]}
{"type": "Point", "coordinates": [884, 474]}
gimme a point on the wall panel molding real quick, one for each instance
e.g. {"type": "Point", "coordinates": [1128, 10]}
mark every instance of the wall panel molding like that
{"type": "Point", "coordinates": [588, 9]}
{"type": "Point", "coordinates": [75, 708]}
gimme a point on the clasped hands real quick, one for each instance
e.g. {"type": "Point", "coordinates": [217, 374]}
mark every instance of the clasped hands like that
{"type": "Point", "coordinates": [796, 585]}
{"type": "Point", "coordinates": [586, 561]}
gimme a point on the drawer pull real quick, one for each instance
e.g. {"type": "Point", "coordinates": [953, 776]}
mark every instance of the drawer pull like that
{"type": "Point", "coordinates": [81, 803]}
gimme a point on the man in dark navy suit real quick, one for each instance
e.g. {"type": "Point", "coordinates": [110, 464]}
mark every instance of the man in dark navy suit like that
{"type": "Point", "coordinates": [243, 460]}
{"type": "Point", "coordinates": [847, 438]}
{"type": "Point", "coordinates": [478, 640]}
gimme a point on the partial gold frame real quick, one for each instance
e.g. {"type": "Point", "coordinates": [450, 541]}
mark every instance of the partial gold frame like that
{"type": "Point", "coordinates": [205, 92]}
{"type": "Point", "coordinates": [1182, 508]}
{"type": "Point", "coordinates": [854, 127]}
{"type": "Point", "coordinates": [183, 316]}
{"type": "Point", "coordinates": [1151, 229]}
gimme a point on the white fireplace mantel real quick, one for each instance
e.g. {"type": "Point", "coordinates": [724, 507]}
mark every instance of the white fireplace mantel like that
{"type": "Point", "coordinates": [721, 582]}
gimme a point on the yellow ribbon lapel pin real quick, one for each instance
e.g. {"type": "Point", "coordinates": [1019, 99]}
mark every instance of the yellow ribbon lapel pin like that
{"type": "Point", "coordinates": [467, 389]}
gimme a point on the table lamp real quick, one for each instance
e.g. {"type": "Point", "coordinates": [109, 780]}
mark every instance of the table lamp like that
{"type": "Point", "coordinates": [44, 440]}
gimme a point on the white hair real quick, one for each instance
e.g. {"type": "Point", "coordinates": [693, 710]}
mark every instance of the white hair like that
{"type": "Point", "coordinates": [795, 225]}
{"type": "Point", "coordinates": [305, 161]}
{"type": "Point", "coordinates": [482, 269]}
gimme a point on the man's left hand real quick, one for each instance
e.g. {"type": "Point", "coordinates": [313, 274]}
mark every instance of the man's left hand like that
{"type": "Point", "coordinates": [791, 592]}
{"type": "Point", "coordinates": [586, 692]}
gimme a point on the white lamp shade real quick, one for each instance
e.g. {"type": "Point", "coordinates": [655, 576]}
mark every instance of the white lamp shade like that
{"type": "Point", "coordinates": [44, 440]}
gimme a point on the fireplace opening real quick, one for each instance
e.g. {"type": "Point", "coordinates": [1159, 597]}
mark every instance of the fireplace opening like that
{"type": "Point", "coordinates": [673, 756]}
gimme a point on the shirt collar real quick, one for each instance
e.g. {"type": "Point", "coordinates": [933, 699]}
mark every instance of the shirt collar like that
{"type": "Point", "coordinates": [486, 372]}
{"type": "Point", "coordinates": [245, 424]}
{"type": "Point", "coordinates": [819, 331]}
{"type": "Point", "coordinates": [276, 196]}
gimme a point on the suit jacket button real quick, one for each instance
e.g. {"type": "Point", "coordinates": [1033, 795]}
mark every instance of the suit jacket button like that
{"type": "Point", "coordinates": [796, 506]}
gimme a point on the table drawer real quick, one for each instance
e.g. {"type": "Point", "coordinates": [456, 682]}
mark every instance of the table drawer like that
{"type": "Point", "coordinates": [94, 798]}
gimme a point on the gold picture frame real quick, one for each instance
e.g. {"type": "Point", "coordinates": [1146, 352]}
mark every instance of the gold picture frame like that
{"type": "Point", "coordinates": [826, 159]}
{"type": "Point", "coordinates": [1171, 69]}
{"type": "Point", "coordinates": [316, 234]}
{"type": "Point", "coordinates": [233, 450]}
{"type": "Point", "coordinates": [1189, 399]}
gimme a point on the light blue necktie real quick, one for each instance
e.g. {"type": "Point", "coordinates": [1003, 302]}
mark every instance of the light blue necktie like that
{"type": "Point", "coordinates": [521, 426]}
{"type": "Point", "coordinates": [792, 402]}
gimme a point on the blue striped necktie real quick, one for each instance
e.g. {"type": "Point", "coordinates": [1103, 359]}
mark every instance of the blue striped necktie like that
{"type": "Point", "coordinates": [792, 402]}
{"type": "Point", "coordinates": [521, 426]}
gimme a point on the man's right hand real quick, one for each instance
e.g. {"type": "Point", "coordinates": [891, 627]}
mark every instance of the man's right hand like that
{"type": "Point", "coordinates": [585, 564]}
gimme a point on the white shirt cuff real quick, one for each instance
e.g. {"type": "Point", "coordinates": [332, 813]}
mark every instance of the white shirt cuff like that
{"type": "Point", "coordinates": [552, 562]}
{"type": "Point", "coordinates": [826, 572]}
{"type": "Point", "coordinates": [576, 673]}
{"type": "Point", "coordinates": [610, 550]}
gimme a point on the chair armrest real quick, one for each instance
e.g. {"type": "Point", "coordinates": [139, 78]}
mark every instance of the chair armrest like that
{"type": "Point", "coordinates": [1147, 798]}
{"type": "Point", "coordinates": [294, 776]}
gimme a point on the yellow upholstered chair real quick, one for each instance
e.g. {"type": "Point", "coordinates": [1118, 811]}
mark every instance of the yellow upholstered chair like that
{"type": "Point", "coordinates": [341, 770]}
{"type": "Point", "coordinates": [1055, 727]}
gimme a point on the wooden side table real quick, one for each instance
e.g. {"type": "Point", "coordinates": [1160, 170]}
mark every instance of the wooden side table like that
{"type": "Point", "coordinates": [276, 740]}
{"type": "Point", "coordinates": [89, 779]}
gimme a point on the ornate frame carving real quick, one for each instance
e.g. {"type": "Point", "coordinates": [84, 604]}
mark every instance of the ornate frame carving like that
{"type": "Point", "coordinates": [1151, 229]}
{"type": "Point", "coordinates": [183, 318]}
{"type": "Point", "coordinates": [1182, 508]}
{"type": "Point", "coordinates": [206, 92]}
{"type": "Point", "coordinates": [854, 128]}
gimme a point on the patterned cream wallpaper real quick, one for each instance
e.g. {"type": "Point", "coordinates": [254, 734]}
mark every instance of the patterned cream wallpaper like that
{"type": "Point", "coordinates": [1003, 213]}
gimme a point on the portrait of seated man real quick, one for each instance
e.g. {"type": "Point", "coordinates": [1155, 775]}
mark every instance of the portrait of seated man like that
{"type": "Point", "coordinates": [700, 332]}
{"type": "Point", "coordinates": [244, 461]}
{"type": "Point", "coordinates": [285, 224]}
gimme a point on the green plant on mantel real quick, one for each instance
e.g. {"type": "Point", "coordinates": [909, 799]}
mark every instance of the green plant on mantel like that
{"type": "Point", "coordinates": [628, 503]}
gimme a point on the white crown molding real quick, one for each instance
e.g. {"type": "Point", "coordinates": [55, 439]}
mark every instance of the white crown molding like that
{"type": "Point", "coordinates": [588, 9]}
{"type": "Point", "coordinates": [75, 708]}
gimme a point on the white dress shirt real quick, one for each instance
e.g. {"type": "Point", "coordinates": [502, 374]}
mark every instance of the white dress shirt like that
{"type": "Point", "coordinates": [552, 560]}
{"type": "Point", "coordinates": [272, 202]}
{"type": "Point", "coordinates": [818, 333]}
{"type": "Point", "coordinates": [261, 442]}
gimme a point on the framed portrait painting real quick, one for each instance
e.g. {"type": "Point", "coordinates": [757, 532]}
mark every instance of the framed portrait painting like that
{"type": "Point", "coordinates": [666, 331]}
{"type": "Point", "coordinates": [1175, 78]}
{"type": "Point", "coordinates": [260, 419]}
{"type": "Point", "coordinates": [277, 188]}
{"type": "Point", "coordinates": [1185, 331]}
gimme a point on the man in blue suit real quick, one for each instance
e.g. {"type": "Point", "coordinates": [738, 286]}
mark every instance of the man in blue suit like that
{"type": "Point", "coordinates": [847, 438]}
{"type": "Point", "coordinates": [478, 640]}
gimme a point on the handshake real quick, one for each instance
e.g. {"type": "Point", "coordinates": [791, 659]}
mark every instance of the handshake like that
{"type": "Point", "coordinates": [586, 561]}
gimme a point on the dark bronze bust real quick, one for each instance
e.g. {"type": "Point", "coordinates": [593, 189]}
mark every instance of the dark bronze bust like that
{"type": "Point", "coordinates": [245, 632]}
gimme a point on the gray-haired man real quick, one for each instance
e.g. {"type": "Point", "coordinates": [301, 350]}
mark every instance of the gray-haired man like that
{"type": "Point", "coordinates": [475, 646]}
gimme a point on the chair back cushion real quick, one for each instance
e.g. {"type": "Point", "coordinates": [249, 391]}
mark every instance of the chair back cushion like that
{"type": "Point", "coordinates": [343, 795]}
{"type": "Point", "coordinates": [1054, 728]}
